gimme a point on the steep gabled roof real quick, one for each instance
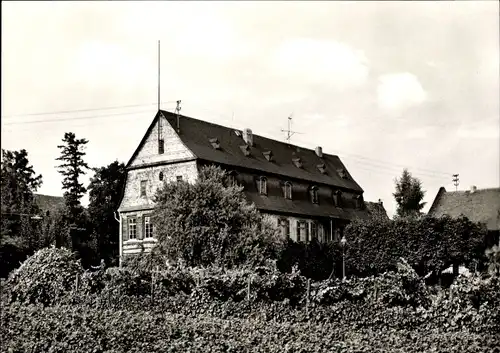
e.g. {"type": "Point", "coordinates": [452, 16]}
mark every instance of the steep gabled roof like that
{"type": "Point", "coordinates": [482, 205]}
{"type": "Point", "coordinates": [49, 203]}
{"type": "Point", "coordinates": [376, 210]}
{"type": "Point", "coordinates": [199, 135]}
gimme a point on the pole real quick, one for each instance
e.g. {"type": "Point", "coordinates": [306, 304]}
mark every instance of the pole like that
{"type": "Point", "coordinates": [308, 294]}
{"type": "Point", "coordinates": [343, 262]}
{"type": "Point", "coordinates": [159, 75]}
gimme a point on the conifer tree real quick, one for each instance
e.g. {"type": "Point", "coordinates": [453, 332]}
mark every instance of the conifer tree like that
{"type": "Point", "coordinates": [409, 195]}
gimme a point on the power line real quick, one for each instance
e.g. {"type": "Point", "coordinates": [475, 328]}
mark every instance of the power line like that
{"type": "Point", "coordinates": [82, 110]}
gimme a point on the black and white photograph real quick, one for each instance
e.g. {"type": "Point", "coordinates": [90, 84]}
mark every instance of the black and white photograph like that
{"type": "Point", "coordinates": [250, 176]}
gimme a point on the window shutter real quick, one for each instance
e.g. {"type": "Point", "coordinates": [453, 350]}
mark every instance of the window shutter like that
{"type": "Point", "coordinates": [124, 228]}
{"type": "Point", "coordinates": [298, 231]}
{"type": "Point", "coordinates": [306, 226]}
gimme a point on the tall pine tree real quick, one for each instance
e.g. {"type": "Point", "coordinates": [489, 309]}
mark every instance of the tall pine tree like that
{"type": "Point", "coordinates": [409, 195]}
{"type": "Point", "coordinates": [72, 168]}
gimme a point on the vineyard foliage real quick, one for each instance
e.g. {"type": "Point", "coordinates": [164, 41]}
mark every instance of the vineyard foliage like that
{"type": "Point", "coordinates": [55, 306]}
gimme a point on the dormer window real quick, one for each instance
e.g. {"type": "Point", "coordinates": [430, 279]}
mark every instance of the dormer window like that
{"type": "Point", "coordinates": [263, 185]}
{"type": "Point", "coordinates": [322, 168]}
{"type": "Point", "coordinates": [337, 198]}
{"type": "Point", "coordinates": [314, 194]}
{"type": "Point", "coordinates": [215, 143]}
{"type": "Point", "coordinates": [245, 149]}
{"type": "Point", "coordinates": [288, 190]}
{"type": "Point", "coordinates": [297, 162]}
{"type": "Point", "coordinates": [342, 173]}
{"type": "Point", "coordinates": [268, 155]}
{"type": "Point", "coordinates": [160, 176]}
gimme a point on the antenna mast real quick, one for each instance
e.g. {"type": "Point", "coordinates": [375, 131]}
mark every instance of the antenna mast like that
{"type": "Point", "coordinates": [456, 181]}
{"type": "Point", "coordinates": [289, 132]}
{"type": "Point", "coordinates": [160, 137]}
{"type": "Point", "coordinates": [159, 75]}
{"type": "Point", "coordinates": [177, 111]}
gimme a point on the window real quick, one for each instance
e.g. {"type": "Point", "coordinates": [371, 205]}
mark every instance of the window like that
{"type": "Point", "coordinates": [284, 224]}
{"type": "Point", "coordinates": [314, 230]}
{"type": "Point", "coordinates": [314, 194]}
{"type": "Point", "coordinates": [161, 146]}
{"type": "Point", "coordinates": [143, 187]}
{"type": "Point", "coordinates": [132, 228]}
{"type": "Point", "coordinates": [232, 178]}
{"type": "Point", "coordinates": [288, 190]}
{"type": "Point", "coordinates": [161, 176]}
{"type": "Point", "coordinates": [302, 231]}
{"type": "Point", "coordinates": [337, 198]}
{"type": "Point", "coordinates": [148, 227]}
{"type": "Point", "coordinates": [179, 177]}
{"type": "Point", "coordinates": [263, 185]}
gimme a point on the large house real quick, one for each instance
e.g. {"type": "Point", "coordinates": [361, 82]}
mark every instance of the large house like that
{"type": "Point", "coordinates": [308, 193]}
{"type": "Point", "coordinates": [478, 205]}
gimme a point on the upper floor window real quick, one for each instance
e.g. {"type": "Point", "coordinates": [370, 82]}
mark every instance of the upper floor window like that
{"type": "Point", "coordinates": [132, 228]}
{"type": "Point", "coordinates": [302, 231]}
{"type": "Point", "coordinates": [263, 185]}
{"type": "Point", "coordinates": [314, 230]}
{"type": "Point", "coordinates": [160, 176]}
{"type": "Point", "coordinates": [284, 225]}
{"type": "Point", "coordinates": [337, 198]}
{"type": "Point", "coordinates": [314, 194]}
{"type": "Point", "coordinates": [231, 178]}
{"type": "Point", "coordinates": [148, 227]}
{"type": "Point", "coordinates": [161, 146]}
{"type": "Point", "coordinates": [144, 184]}
{"type": "Point", "coordinates": [288, 190]}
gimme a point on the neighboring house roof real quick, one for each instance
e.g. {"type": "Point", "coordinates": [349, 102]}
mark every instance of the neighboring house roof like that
{"type": "Point", "coordinates": [196, 135]}
{"type": "Point", "coordinates": [481, 205]}
{"type": "Point", "coordinates": [376, 210]}
{"type": "Point", "coordinates": [49, 203]}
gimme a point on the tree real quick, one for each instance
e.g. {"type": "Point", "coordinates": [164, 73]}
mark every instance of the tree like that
{"type": "Point", "coordinates": [210, 222]}
{"type": "Point", "coordinates": [72, 167]}
{"type": "Point", "coordinates": [19, 233]}
{"type": "Point", "coordinates": [409, 195]}
{"type": "Point", "coordinates": [105, 190]}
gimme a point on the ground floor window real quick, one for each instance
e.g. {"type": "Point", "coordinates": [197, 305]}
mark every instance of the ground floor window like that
{"type": "Point", "coordinates": [148, 227]}
{"type": "Point", "coordinates": [132, 228]}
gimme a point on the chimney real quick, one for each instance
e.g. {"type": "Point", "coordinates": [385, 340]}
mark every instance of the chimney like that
{"type": "Point", "coordinates": [473, 189]}
{"type": "Point", "coordinates": [248, 137]}
{"type": "Point", "coordinates": [380, 202]}
{"type": "Point", "coordinates": [319, 151]}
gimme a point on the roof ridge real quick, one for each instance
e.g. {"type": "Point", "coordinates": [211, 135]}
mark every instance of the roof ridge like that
{"type": "Point", "coordinates": [469, 192]}
{"type": "Point", "coordinates": [260, 136]}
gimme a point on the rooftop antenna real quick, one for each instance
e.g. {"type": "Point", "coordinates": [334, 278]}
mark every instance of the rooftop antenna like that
{"type": "Point", "coordinates": [456, 181]}
{"type": "Point", "coordinates": [159, 75]}
{"type": "Point", "coordinates": [289, 132]}
{"type": "Point", "coordinates": [177, 111]}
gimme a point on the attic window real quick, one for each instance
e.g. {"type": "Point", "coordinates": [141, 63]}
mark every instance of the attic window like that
{"type": "Point", "coordinates": [268, 155]}
{"type": "Point", "coordinates": [314, 194]}
{"type": "Point", "coordinates": [215, 143]}
{"type": "Point", "coordinates": [342, 172]}
{"type": "Point", "coordinates": [161, 146]}
{"type": "Point", "coordinates": [322, 168]}
{"type": "Point", "coordinates": [161, 176]}
{"type": "Point", "coordinates": [297, 162]}
{"type": "Point", "coordinates": [245, 149]}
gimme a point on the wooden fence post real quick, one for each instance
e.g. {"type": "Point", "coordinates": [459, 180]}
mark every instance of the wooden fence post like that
{"type": "Point", "coordinates": [307, 295]}
{"type": "Point", "coordinates": [248, 288]}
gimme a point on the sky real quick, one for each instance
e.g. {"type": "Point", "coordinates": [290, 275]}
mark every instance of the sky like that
{"type": "Point", "coordinates": [384, 85]}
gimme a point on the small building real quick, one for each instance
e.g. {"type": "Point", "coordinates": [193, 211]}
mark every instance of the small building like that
{"type": "Point", "coordinates": [478, 205]}
{"type": "Point", "coordinates": [308, 193]}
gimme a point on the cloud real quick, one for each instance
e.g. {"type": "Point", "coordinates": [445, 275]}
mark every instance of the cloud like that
{"type": "Point", "coordinates": [321, 61]}
{"type": "Point", "coordinates": [399, 91]}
